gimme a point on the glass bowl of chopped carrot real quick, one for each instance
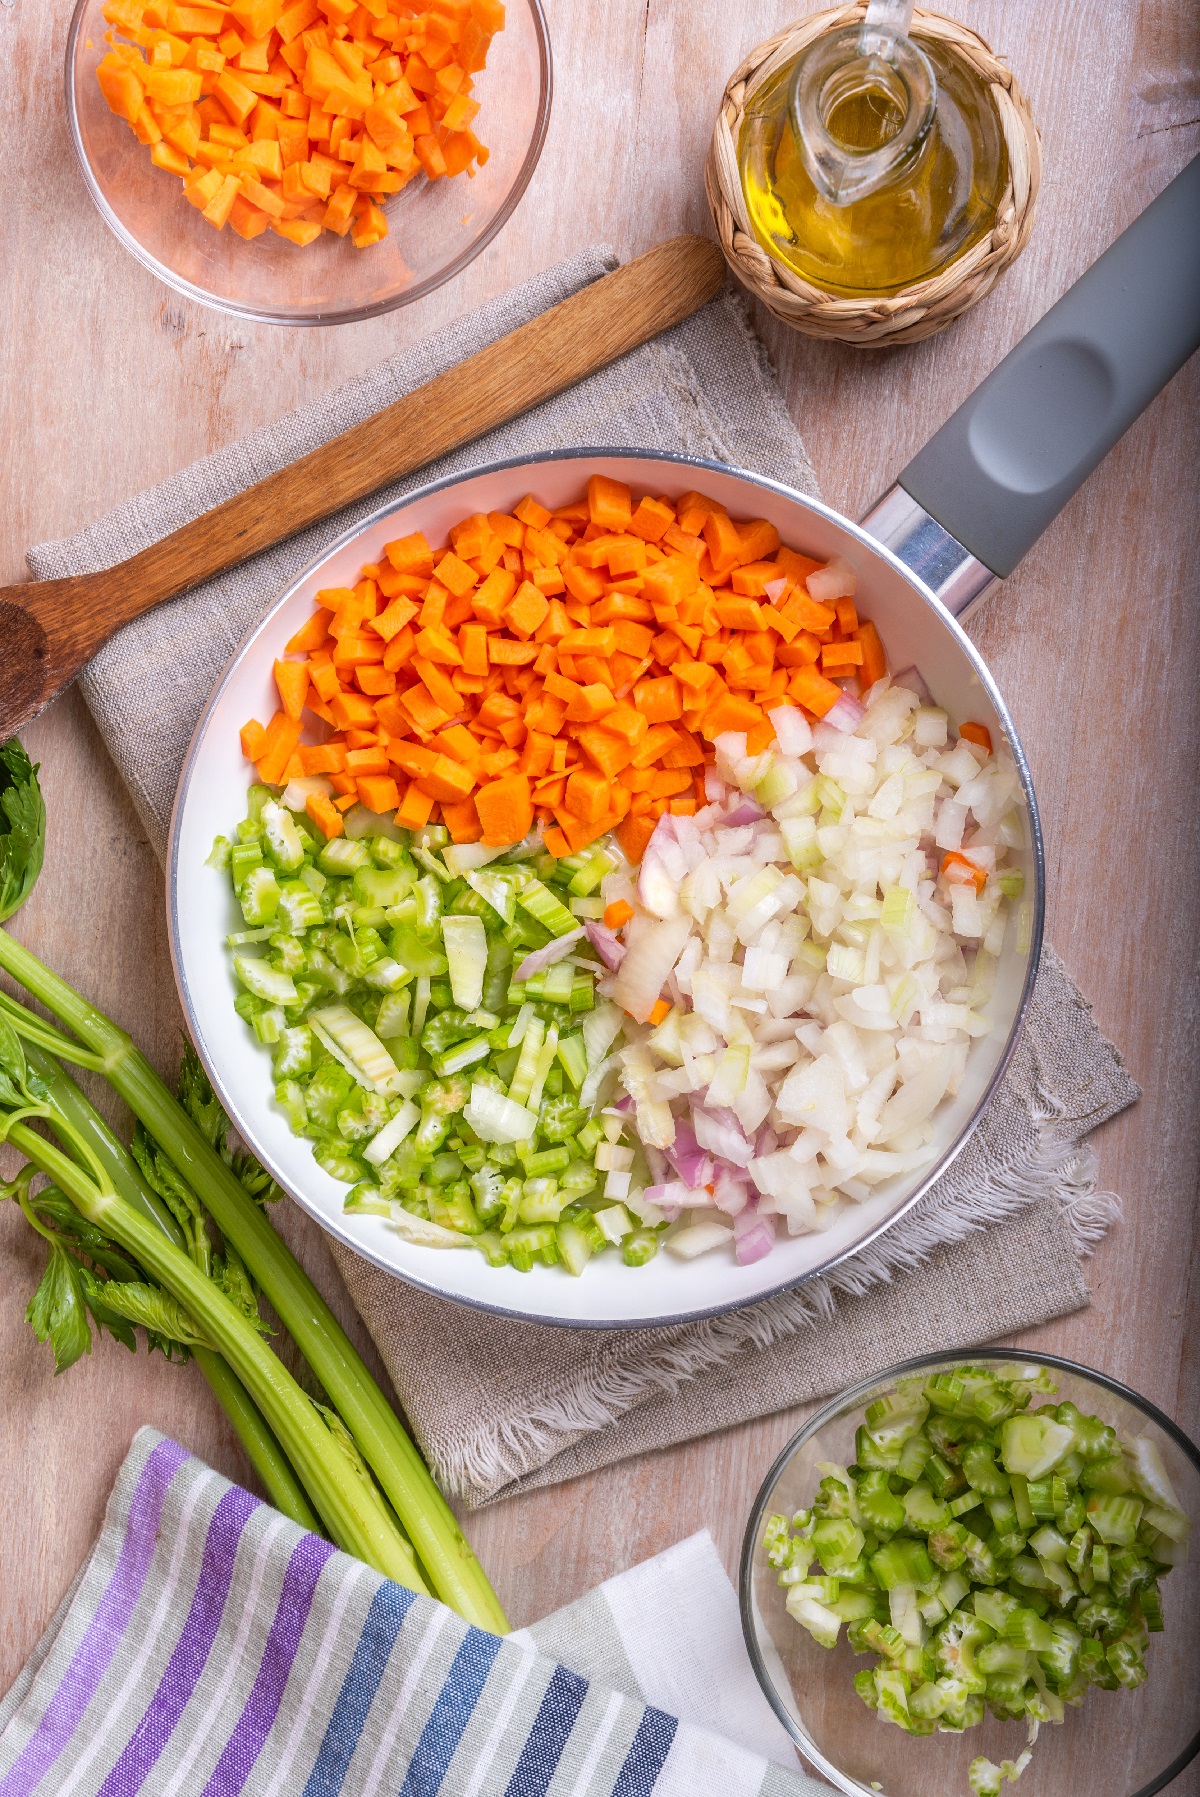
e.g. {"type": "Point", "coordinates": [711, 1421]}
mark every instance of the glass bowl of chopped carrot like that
{"type": "Point", "coordinates": [307, 161]}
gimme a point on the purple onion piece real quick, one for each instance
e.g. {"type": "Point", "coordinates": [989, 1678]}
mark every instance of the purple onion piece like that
{"type": "Point", "coordinates": [846, 715]}
{"type": "Point", "coordinates": [914, 680]}
{"type": "Point", "coordinates": [756, 1244]}
{"type": "Point", "coordinates": [606, 943]}
{"type": "Point", "coordinates": [747, 812]}
{"type": "Point", "coordinates": [541, 958]}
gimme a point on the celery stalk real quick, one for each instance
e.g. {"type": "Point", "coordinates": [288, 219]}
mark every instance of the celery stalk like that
{"type": "Point", "coordinates": [440, 1543]}
{"type": "Point", "coordinates": [83, 1123]}
{"type": "Point", "coordinates": [355, 1516]}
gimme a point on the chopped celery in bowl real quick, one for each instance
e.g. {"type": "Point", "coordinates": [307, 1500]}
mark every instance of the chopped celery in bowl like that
{"type": "Point", "coordinates": [973, 1570]}
{"type": "Point", "coordinates": [432, 1018]}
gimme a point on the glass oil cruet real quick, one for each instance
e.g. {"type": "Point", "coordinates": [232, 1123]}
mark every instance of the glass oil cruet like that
{"type": "Point", "coordinates": [870, 163]}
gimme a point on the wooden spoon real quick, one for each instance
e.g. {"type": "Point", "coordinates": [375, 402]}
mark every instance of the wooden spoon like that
{"type": "Point", "coordinates": [49, 629]}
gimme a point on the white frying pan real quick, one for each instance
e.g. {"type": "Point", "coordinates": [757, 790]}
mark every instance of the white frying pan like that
{"type": "Point", "coordinates": [960, 517]}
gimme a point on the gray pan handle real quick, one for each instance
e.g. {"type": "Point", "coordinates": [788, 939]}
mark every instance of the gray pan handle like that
{"type": "Point", "coordinates": [1009, 459]}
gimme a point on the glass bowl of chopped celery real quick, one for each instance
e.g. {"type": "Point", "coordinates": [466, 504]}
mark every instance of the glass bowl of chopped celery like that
{"type": "Point", "coordinates": [272, 241]}
{"type": "Point", "coordinates": [972, 1570]}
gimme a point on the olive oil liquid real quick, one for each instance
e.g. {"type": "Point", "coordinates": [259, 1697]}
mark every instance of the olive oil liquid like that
{"type": "Point", "coordinates": [941, 203]}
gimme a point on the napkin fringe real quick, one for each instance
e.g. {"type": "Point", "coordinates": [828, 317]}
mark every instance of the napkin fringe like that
{"type": "Point", "coordinates": [507, 1448]}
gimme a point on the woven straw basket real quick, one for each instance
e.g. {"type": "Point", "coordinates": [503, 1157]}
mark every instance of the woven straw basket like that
{"type": "Point", "coordinates": [927, 306]}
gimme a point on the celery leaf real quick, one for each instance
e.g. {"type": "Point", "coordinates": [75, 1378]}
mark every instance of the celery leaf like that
{"type": "Point", "coordinates": [22, 827]}
{"type": "Point", "coordinates": [57, 1311]}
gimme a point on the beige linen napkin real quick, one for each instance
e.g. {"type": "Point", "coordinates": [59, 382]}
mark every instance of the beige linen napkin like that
{"type": "Point", "coordinates": [993, 1248]}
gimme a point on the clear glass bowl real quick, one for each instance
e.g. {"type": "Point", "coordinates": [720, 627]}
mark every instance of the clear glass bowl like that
{"type": "Point", "coordinates": [1115, 1744]}
{"type": "Point", "coordinates": [434, 228]}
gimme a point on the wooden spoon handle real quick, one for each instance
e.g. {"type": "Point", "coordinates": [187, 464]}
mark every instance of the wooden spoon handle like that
{"type": "Point", "coordinates": [553, 351]}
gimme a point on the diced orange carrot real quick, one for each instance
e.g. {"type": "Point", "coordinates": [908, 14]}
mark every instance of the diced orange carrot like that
{"type": "Point", "coordinates": [633, 834]}
{"type": "Point", "coordinates": [960, 870]}
{"type": "Point", "coordinates": [651, 519]}
{"type": "Point", "coordinates": [526, 610]}
{"type": "Point", "coordinates": [491, 597]}
{"type": "Point", "coordinates": [739, 613]}
{"type": "Point", "coordinates": [587, 794]}
{"type": "Point", "coordinates": [724, 541]}
{"type": "Point", "coordinates": [360, 762]}
{"type": "Point", "coordinates": [454, 573]}
{"type": "Point", "coordinates": [310, 636]}
{"type": "Point", "coordinates": [503, 652]}
{"type": "Point", "coordinates": [447, 780]}
{"type": "Point", "coordinates": [536, 753]}
{"type": "Point", "coordinates": [351, 709]}
{"type": "Point", "coordinates": [378, 792]}
{"type": "Point", "coordinates": [660, 1012]}
{"type": "Point", "coordinates": [813, 691]}
{"type": "Point", "coordinates": [580, 834]}
{"type": "Point", "coordinates": [847, 615]}
{"type": "Point", "coordinates": [399, 651]}
{"type": "Point", "coordinates": [874, 661]}
{"type": "Point", "coordinates": [505, 809]}
{"type": "Point", "coordinates": [253, 739]}
{"type": "Point", "coordinates": [590, 704]}
{"type": "Point", "coordinates": [437, 685]}
{"type": "Point", "coordinates": [291, 678]}
{"type": "Point", "coordinates": [672, 579]}
{"type": "Point", "coordinates": [472, 644]}
{"type": "Point", "coordinates": [532, 512]}
{"type": "Point", "coordinates": [658, 700]}
{"type": "Point", "coordinates": [324, 814]}
{"type": "Point", "coordinates": [609, 502]}
{"type": "Point", "coordinates": [411, 554]}
{"type": "Point", "coordinates": [533, 680]}
{"type": "Point", "coordinates": [841, 658]}
{"type": "Point", "coordinates": [322, 758]}
{"type": "Point", "coordinates": [608, 752]}
{"type": "Point", "coordinates": [282, 735]}
{"type": "Point", "coordinates": [627, 723]}
{"type": "Point", "coordinates": [392, 620]}
{"type": "Point", "coordinates": [462, 821]}
{"type": "Point", "coordinates": [415, 809]}
{"type": "Point", "coordinates": [666, 783]}
{"type": "Point", "coordinates": [459, 744]}
{"type": "Point", "coordinates": [728, 712]}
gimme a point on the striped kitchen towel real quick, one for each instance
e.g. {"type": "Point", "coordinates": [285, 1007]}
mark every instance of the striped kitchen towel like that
{"type": "Point", "coordinates": [209, 1646]}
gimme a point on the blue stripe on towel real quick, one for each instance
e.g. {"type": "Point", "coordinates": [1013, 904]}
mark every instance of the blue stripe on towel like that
{"type": "Point", "coordinates": [450, 1715]}
{"type": "Point", "coordinates": [551, 1730]}
{"type": "Point", "coordinates": [389, 1607]}
{"type": "Point", "coordinates": [647, 1755]}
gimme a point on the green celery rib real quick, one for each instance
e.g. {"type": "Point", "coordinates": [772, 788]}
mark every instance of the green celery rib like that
{"type": "Point", "coordinates": [36, 1029]}
{"type": "Point", "coordinates": [443, 1549]}
{"type": "Point", "coordinates": [264, 1453]}
{"type": "Point", "coordinates": [355, 1515]}
{"type": "Point", "coordinates": [85, 1123]}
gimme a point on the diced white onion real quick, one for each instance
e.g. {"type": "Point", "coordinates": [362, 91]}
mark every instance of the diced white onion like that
{"type": "Point", "coordinates": [828, 974]}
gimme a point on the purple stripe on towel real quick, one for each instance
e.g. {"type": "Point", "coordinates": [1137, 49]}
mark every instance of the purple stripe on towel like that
{"type": "Point", "coordinates": [262, 1706]}
{"type": "Point", "coordinates": [106, 1629]}
{"type": "Point", "coordinates": [191, 1651]}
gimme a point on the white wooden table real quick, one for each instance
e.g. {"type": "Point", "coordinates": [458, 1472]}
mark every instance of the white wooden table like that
{"type": "Point", "coordinates": [109, 382]}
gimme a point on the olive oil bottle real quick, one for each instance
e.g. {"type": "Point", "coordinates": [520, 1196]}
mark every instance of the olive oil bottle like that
{"type": "Point", "coordinates": [871, 163]}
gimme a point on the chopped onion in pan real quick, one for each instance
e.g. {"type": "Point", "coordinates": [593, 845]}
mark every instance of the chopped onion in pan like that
{"type": "Point", "coordinates": [827, 928]}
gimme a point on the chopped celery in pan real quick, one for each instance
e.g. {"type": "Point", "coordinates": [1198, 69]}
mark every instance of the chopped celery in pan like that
{"type": "Point", "coordinates": [986, 1553]}
{"type": "Point", "coordinates": [466, 1105]}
